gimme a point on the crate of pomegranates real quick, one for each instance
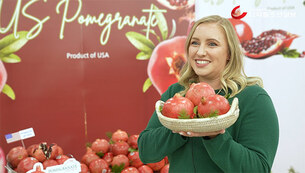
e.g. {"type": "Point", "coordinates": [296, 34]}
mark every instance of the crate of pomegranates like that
{"type": "Point", "coordinates": [200, 110]}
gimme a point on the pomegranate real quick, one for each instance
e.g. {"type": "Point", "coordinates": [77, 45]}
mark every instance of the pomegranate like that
{"type": "Point", "coordinates": [61, 159]}
{"type": "Point", "coordinates": [199, 90]}
{"type": "Point", "coordinates": [2, 160]}
{"type": "Point", "coordinates": [242, 29]}
{"type": "Point", "coordinates": [39, 154]}
{"type": "Point", "coordinates": [177, 4]}
{"type": "Point", "coordinates": [165, 63]}
{"type": "Point", "coordinates": [166, 160]}
{"type": "Point", "coordinates": [55, 151]}
{"type": "Point", "coordinates": [145, 169]}
{"type": "Point", "coordinates": [165, 169]}
{"type": "Point", "coordinates": [26, 164]}
{"type": "Point", "coordinates": [134, 159]}
{"type": "Point", "coordinates": [84, 168]}
{"type": "Point", "coordinates": [15, 155]}
{"type": "Point", "coordinates": [3, 76]}
{"type": "Point", "coordinates": [178, 107]}
{"type": "Point", "coordinates": [157, 166]}
{"type": "Point", "coordinates": [133, 141]}
{"type": "Point", "coordinates": [98, 166]}
{"type": "Point", "coordinates": [108, 157]}
{"type": "Point", "coordinates": [31, 149]}
{"type": "Point", "coordinates": [120, 160]}
{"type": "Point", "coordinates": [119, 135]}
{"type": "Point", "coordinates": [89, 157]}
{"type": "Point", "coordinates": [48, 163]}
{"type": "Point", "coordinates": [268, 43]}
{"type": "Point", "coordinates": [130, 170]}
{"type": "Point", "coordinates": [100, 145]}
{"type": "Point", "coordinates": [212, 106]}
{"type": "Point", "coordinates": [120, 147]}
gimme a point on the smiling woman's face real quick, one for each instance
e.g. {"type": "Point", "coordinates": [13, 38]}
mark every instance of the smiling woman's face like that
{"type": "Point", "coordinates": [208, 53]}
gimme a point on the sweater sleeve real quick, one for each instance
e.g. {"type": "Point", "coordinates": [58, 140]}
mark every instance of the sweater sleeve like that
{"type": "Point", "coordinates": [255, 147]}
{"type": "Point", "coordinates": [156, 141]}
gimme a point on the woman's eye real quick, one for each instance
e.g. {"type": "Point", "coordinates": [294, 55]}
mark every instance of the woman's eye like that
{"type": "Point", "coordinates": [194, 43]}
{"type": "Point", "coordinates": [212, 44]}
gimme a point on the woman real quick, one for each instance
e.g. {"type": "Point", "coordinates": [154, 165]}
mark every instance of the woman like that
{"type": "Point", "coordinates": [250, 144]}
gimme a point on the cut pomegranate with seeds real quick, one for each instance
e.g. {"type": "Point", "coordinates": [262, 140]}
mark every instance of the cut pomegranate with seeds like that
{"type": "Point", "coordinates": [268, 43]}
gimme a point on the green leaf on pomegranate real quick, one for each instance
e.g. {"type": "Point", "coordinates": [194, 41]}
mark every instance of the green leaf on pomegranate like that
{"type": "Point", "coordinates": [117, 169]}
{"type": "Point", "coordinates": [11, 58]}
{"type": "Point", "coordinates": [130, 149]}
{"type": "Point", "coordinates": [9, 91]}
{"type": "Point", "coordinates": [195, 110]}
{"type": "Point", "coordinates": [100, 154]}
{"type": "Point", "coordinates": [88, 144]}
{"type": "Point", "coordinates": [109, 135]}
{"type": "Point", "coordinates": [140, 42]}
{"type": "Point", "coordinates": [146, 85]}
{"type": "Point", "coordinates": [290, 53]}
{"type": "Point", "coordinates": [162, 24]}
{"type": "Point", "coordinates": [143, 56]}
{"type": "Point", "coordinates": [183, 115]}
{"type": "Point", "coordinates": [9, 44]}
{"type": "Point", "coordinates": [153, 32]}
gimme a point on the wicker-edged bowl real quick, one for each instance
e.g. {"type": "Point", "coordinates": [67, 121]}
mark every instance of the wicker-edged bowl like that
{"type": "Point", "coordinates": [200, 124]}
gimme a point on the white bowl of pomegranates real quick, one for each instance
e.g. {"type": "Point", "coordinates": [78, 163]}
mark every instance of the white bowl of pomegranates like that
{"type": "Point", "coordinates": [200, 110]}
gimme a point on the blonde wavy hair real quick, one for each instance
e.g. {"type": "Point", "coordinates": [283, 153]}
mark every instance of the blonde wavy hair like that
{"type": "Point", "coordinates": [233, 76]}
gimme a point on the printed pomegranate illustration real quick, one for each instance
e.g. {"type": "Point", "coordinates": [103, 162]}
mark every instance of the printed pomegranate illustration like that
{"type": "Point", "coordinates": [178, 107]}
{"type": "Point", "coordinates": [165, 63]}
{"type": "Point", "coordinates": [177, 4]}
{"type": "Point", "coordinates": [3, 76]}
{"type": "Point", "coordinates": [268, 43]}
{"type": "Point", "coordinates": [242, 29]}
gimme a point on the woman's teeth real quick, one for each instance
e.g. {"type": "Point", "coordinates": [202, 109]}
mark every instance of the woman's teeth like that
{"type": "Point", "coordinates": [202, 62]}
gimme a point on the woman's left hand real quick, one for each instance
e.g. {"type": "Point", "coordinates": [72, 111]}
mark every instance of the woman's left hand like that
{"type": "Point", "coordinates": [201, 134]}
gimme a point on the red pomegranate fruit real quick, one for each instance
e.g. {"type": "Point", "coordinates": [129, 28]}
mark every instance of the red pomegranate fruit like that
{"type": "Point", "coordinates": [130, 170]}
{"type": "Point", "coordinates": [39, 154]}
{"type": "Point", "coordinates": [61, 159]}
{"type": "Point", "coordinates": [119, 135]}
{"type": "Point", "coordinates": [213, 105]}
{"type": "Point", "coordinates": [145, 169]}
{"type": "Point", "coordinates": [157, 166]}
{"type": "Point", "coordinates": [48, 163]}
{"type": "Point", "coordinates": [178, 107]}
{"type": "Point", "coordinates": [84, 168]}
{"type": "Point", "coordinates": [165, 169]}
{"type": "Point", "coordinates": [26, 164]}
{"type": "Point", "coordinates": [100, 146]}
{"type": "Point", "coordinates": [199, 90]}
{"type": "Point", "coordinates": [2, 160]}
{"type": "Point", "coordinates": [89, 157]}
{"type": "Point", "coordinates": [31, 149]}
{"type": "Point", "coordinates": [119, 160]}
{"type": "Point", "coordinates": [133, 141]}
{"type": "Point", "coordinates": [98, 166]}
{"type": "Point", "coordinates": [15, 155]}
{"type": "Point", "coordinates": [108, 157]}
{"type": "Point", "coordinates": [3, 76]}
{"type": "Point", "coordinates": [166, 62]}
{"type": "Point", "coordinates": [55, 151]}
{"type": "Point", "coordinates": [134, 159]}
{"type": "Point", "coordinates": [242, 29]}
{"type": "Point", "coordinates": [268, 43]}
{"type": "Point", "coordinates": [120, 147]}
{"type": "Point", "coordinates": [177, 4]}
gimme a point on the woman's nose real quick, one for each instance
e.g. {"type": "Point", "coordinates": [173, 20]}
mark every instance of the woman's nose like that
{"type": "Point", "coordinates": [201, 51]}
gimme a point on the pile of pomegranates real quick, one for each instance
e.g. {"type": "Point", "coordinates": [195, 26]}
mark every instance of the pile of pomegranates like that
{"type": "Point", "coordinates": [200, 101]}
{"type": "Point", "coordinates": [22, 159]}
{"type": "Point", "coordinates": [118, 154]}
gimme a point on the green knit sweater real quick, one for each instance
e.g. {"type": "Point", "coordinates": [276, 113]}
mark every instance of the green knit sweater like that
{"type": "Point", "coordinates": [249, 145]}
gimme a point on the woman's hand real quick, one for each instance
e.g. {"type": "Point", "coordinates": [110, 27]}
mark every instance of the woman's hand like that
{"type": "Point", "coordinates": [201, 134]}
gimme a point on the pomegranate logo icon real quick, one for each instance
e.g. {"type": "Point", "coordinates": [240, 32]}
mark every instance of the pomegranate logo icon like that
{"type": "Point", "coordinates": [236, 13]}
